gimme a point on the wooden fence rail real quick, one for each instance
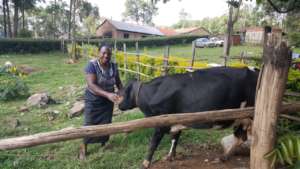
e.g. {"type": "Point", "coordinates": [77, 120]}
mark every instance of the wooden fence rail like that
{"type": "Point", "coordinates": [123, 127]}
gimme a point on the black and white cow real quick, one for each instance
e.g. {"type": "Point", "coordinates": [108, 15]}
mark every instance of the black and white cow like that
{"type": "Point", "coordinates": [202, 90]}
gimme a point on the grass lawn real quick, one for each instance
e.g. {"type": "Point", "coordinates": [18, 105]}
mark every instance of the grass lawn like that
{"type": "Point", "coordinates": [65, 83]}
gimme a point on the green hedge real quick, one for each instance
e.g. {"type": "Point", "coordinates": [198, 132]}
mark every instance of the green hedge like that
{"type": "Point", "coordinates": [294, 39]}
{"type": "Point", "coordinates": [35, 46]}
{"type": "Point", "coordinates": [28, 45]}
{"type": "Point", "coordinates": [148, 42]}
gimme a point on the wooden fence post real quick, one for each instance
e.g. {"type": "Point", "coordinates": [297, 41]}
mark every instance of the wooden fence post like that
{"type": "Point", "coordinates": [193, 55]}
{"type": "Point", "coordinates": [125, 61]}
{"type": "Point", "coordinates": [137, 60]}
{"type": "Point", "coordinates": [115, 51]}
{"type": "Point", "coordinates": [270, 90]}
{"type": "Point", "coordinates": [166, 60]}
{"type": "Point", "coordinates": [242, 57]}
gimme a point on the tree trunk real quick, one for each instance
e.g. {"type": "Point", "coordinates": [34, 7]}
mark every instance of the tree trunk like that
{"type": "Point", "coordinates": [227, 40]}
{"type": "Point", "coordinates": [8, 19]}
{"type": "Point", "coordinates": [53, 18]}
{"type": "Point", "coordinates": [228, 35]}
{"type": "Point", "coordinates": [270, 90]}
{"type": "Point", "coordinates": [23, 15]}
{"type": "Point", "coordinates": [123, 127]}
{"type": "Point", "coordinates": [4, 18]}
{"type": "Point", "coordinates": [70, 19]}
{"type": "Point", "coordinates": [16, 20]}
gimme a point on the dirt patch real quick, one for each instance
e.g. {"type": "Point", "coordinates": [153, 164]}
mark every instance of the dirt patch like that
{"type": "Point", "coordinates": [25, 69]}
{"type": "Point", "coordinates": [205, 158]}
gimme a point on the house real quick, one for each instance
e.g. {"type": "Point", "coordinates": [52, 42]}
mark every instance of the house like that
{"type": "Point", "coordinates": [200, 31]}
{"type": "Point", "coordinates": [255, 35]}
{"type": "Point", "coordinates": [123, 30]}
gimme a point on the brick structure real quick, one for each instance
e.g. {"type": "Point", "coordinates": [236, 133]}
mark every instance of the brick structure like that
{"type": "Point", "coordinates": [122, 30]}
{"type": "Point", "coordinates": [255, 35]}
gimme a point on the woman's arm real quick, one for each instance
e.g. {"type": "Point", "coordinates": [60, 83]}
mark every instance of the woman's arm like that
{"type": "Point", "coordinates": [91, 82]}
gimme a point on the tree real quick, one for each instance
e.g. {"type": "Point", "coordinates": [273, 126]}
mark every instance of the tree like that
{"type": "Point", "coordinates": [281, 6]}
{"type": "Point", "coordinates": [140, 11]}
{"type": "Point", "coordinates": [234, 8]}
{"type": "Point", "coordinates": [8, 18]}
{"type": "Point", "coordinates": [4, 18]}
{"type": "Point", "coordinates": [183, 16]}
{"type": "Point", "coordinates": [21, 5]}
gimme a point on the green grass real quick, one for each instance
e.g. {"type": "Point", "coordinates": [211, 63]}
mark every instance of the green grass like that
{"type": "Point", "coordinates": [127, 151]}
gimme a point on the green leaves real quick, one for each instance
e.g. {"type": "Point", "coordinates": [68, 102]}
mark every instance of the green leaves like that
{"type": "Point", "coordinates": [286, 152]}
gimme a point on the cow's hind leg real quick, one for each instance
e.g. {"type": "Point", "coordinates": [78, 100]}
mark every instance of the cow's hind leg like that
{"type": "Point", "coordinates": [155, 140]}
{"type": "Point", "coordinates": [172, 152]}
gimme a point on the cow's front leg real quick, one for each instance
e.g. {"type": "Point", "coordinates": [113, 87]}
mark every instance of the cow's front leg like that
{"type": "Point", "coordinates": [155, 140]}
{"type": "Point", "coordinates": [172, 152]}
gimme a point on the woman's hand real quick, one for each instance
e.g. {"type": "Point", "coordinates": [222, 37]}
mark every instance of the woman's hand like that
{"type": "Point", "coordinates": [112, 97]}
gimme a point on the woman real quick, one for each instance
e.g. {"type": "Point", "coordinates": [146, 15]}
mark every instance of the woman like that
{"type": "Point", "coordinates": [101, 77]}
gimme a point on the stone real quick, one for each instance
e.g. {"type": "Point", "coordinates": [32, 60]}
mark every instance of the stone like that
{"type": "Point", "coordinates": [25, 69]}
{"type": "Point", "coordinates": [77, 109]}
{"type": "Point", "coordinates": [24, 109]}
{"type": "Point", "coordinates": [39, 100]}
{"type": "Point", "coordinates": [216, 161]}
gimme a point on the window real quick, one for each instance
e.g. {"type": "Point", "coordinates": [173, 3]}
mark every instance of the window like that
{"type": "Point", "coordinates": [107, 35]}
{"type": "Point", "coordinates": [126, 35]}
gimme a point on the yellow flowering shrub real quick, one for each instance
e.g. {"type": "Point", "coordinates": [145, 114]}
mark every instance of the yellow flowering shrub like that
{"type": "Point", "coordinates": [12, 85]}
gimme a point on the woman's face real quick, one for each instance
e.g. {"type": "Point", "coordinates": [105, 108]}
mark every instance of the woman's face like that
{"type": "Point", "coordinates": [105, 55]}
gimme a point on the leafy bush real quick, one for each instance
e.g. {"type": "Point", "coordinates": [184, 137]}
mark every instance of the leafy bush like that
{"type": "Point", "coordinates": [40, 45]}
{"type": "Point", "coordinates": [293, 82]}
{"type": "Point", "coordinates": [286, 151]}
{"type": "Point", "coordinates": [12, 85]}
{"type": "Point", "coordinates": [24, 33]}
{"type": "Point", "coordinates": [148, 41]}
{"type": "Point", "coordinates": [28, 45]}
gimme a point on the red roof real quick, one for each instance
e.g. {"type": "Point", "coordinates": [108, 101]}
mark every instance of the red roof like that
{"type": "Point", "coordinates": [168, 31]}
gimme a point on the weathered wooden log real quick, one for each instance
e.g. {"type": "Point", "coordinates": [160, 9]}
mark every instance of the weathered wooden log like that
{"type": "Point", "coordinates": [270, 91]}
{"type": "Point", "coordinates": [123, 127]}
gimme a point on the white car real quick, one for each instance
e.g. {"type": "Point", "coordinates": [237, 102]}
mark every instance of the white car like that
{"type": "Point", "coordinates": [217, 41]}
{"type": "Point", "coordinates": [203, 42]}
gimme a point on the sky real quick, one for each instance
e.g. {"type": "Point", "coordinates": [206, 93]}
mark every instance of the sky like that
{"type": "Point", "coordinates": [168, 13]}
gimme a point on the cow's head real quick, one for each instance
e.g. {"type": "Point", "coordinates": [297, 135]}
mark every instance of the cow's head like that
{"type": "Point", "coordinates": [128, 95]}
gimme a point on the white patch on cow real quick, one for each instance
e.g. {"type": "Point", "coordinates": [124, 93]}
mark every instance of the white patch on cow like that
{"type": "Point", "coordinates": [178, 127]}
{"type": "Point", "coordinates": [171, 149]}
{"type": "Point", "coordinates": [252, 68]}
{"type": "Point", "coordinates": [214, 65]}
{"type": "Point", "coordinates": [229, 143]}
{"type": "Point", "coordinates": [243, 104]}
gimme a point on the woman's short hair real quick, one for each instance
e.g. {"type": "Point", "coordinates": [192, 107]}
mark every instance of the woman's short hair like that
{"type": "Point", "coordinates": [104, 45]}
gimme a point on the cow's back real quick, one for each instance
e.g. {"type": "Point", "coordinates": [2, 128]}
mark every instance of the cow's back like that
{"type": "Point", "coordinates": [203, 90]}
